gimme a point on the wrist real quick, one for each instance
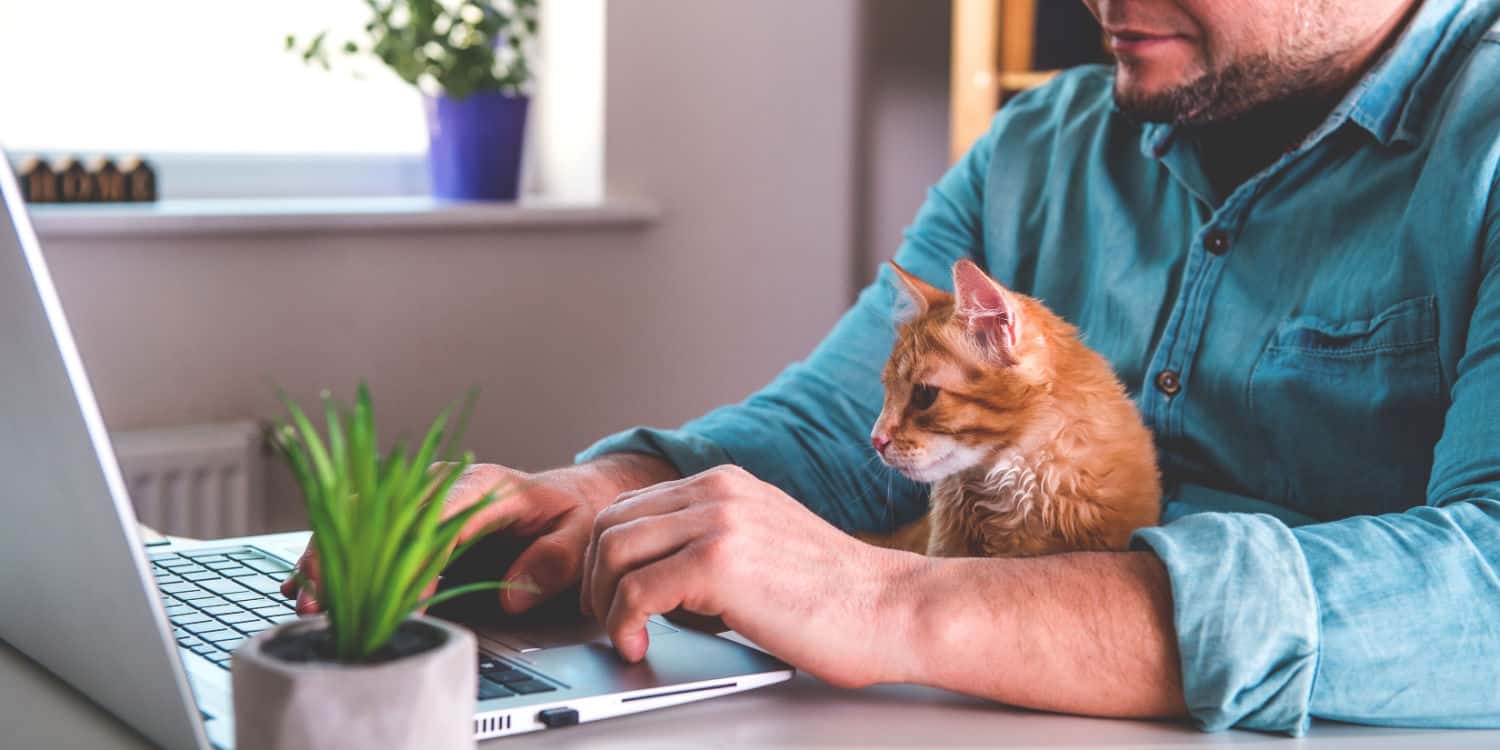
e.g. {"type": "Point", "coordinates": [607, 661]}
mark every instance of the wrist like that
{"type": "Point", "coordinates": [954, 605]}
{"type": "Point", "coordinates": [604, 479]}
{"type": "Point", "coordinates": [903, 611]}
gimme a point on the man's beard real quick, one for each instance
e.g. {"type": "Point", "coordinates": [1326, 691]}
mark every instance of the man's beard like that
{"type": "Point", "coordinates": [1224, 94]}
{"type": "Point", "coordinates": [1304, 63]}
{"type": "Point", "coordinates": [1232, 90]}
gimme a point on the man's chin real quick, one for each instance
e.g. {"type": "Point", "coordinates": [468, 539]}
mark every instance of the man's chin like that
{"type": "Point", "coordinates": [1213, 96]}
{"type": "Point", "coordinates": [1153, 104]}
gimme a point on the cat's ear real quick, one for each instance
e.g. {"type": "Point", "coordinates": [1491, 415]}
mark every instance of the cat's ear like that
{"type": "Point", "coordinates": [917, 295]}
{"type": "Point", "coordinates": [990, 312]}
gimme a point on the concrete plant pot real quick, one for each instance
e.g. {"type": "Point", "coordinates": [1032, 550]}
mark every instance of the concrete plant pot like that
{"type": "Point", "coordinates": [288, 697]}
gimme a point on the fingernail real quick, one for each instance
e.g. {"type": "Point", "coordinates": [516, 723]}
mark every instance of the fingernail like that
{"type": "Point", "coordinates": [524, 596]}
{"type": "Point", "coordinates": [633, 647]}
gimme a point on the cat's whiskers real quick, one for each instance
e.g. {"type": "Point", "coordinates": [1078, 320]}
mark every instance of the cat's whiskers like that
{"type": "Point", "coordinates": [874, 464]}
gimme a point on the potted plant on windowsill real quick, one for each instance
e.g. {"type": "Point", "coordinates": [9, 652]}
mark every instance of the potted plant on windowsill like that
{"type": "Point", "coordinates": [369, 672]}
{"type": "Point", "coordinates": [471, 59]}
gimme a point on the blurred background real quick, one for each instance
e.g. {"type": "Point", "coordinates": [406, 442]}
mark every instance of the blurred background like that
{"type": "Point", "coordinates": [706, 186]}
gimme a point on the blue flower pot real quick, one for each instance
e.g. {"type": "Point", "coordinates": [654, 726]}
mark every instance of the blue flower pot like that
{"type": "Point", "coordinates": [474, 146]}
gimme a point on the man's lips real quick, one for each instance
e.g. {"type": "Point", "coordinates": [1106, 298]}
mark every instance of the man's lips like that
{"type": "Point", "coordinates": [1134, 41]}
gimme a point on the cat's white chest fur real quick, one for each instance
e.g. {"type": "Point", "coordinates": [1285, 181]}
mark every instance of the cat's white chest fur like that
{"type": "Point", "coordinates": [974, 509]}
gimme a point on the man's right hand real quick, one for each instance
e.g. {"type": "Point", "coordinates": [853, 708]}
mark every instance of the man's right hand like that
{"type": "Point", "coordinates": [553, 510]}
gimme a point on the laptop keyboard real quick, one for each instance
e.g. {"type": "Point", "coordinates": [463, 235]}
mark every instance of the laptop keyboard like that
{"type": "Point", "coordinates": [499, 678]}
{"type": "Point", "coordinates": [217, 599]}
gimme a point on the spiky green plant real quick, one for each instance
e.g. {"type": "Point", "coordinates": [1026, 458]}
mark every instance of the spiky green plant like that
{"type": "Point", "coordinates": [377, 520]}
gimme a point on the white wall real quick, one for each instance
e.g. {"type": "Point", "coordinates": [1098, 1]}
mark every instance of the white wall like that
{"type": "Point", "coordinates": [735, 121]}
{"type": "Point", "coordinates": [902, 134]}
{"type": "Point", "coordinates": [741, 120]}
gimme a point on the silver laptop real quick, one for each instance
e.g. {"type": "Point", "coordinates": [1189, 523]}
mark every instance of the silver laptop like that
{"type": "Point", "coordinates": [146, 632]}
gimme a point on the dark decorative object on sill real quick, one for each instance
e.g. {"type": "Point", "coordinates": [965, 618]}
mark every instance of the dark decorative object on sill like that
{"type": "Point", "coordinates": [140, 179]}
{"type": "Point", "coordinates": [38, 181]}
{"type": "Point", "coordinates": [74, 183]}
{"type": "Point", "coordinates": [102, 181]}
{"type": "Point", "coordinates": [109, 182]}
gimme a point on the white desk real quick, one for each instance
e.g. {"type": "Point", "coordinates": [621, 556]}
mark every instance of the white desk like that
{"type": "Point", "coordinates": [38, 711]}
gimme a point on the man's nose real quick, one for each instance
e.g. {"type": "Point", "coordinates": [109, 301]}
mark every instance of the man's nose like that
{"type": "Point", "coordinates": [880, 440]}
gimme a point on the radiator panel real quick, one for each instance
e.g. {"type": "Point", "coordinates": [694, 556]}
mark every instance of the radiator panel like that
{"type": "Point", "coordinates": [200, 481]}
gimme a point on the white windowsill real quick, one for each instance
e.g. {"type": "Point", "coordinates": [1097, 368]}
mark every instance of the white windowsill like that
{"type": "Point", "coordinates": [229, 216]}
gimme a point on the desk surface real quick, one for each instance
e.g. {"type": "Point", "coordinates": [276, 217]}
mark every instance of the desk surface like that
{"type": "Point", "coordinates": [39, 711]}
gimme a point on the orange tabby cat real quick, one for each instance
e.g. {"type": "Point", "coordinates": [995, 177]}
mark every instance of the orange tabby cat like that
{"type": "Point", "coordinates": [1026, 435]}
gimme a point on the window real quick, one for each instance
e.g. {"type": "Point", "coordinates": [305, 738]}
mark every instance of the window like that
{"type": "Point", "coordinates": [206, 89]}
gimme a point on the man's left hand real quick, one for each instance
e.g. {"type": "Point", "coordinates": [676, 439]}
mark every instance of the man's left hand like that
{"type": "Point", "coordinates": [725, 544]}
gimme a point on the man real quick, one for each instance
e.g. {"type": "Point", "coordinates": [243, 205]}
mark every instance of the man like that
{"type": "Point", "coordinates": [1279, 220]}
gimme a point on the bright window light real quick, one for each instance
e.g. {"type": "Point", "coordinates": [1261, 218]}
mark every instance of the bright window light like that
{"type": "Point", "coordinates": [207, 90]}
{"type": "Point", "coordinates": [193, 77]}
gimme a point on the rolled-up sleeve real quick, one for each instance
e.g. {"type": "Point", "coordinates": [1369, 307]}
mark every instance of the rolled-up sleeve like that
{"type": "Point", "coordinates": [807, 432]}
{"type": "Point", "coordinates": [1391, 619]}
{"type": "Point", "coordinates": [1247, 618]}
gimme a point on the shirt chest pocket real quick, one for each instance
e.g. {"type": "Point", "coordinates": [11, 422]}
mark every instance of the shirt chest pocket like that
{"type": "Point", "coordinates": [1351, 410]}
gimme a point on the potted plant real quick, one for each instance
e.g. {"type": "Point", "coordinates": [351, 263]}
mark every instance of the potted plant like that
{"type": "Point", "coordinates": [369, 672]}
{"type": "Point", "coordinates": [471, 59]}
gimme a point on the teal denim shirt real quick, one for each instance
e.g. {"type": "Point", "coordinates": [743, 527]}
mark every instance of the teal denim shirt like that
{"type": "Point", "coordinates": [1331, 456]}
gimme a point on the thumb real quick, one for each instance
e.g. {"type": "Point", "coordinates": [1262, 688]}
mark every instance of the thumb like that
{"type": "Point", "coordinates": [550, 564]}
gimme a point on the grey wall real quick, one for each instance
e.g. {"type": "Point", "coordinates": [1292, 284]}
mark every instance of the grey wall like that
{"type": "Point", "coordinates": [902, 134]}
{"type": "Point", "coordinates": [740, 120]}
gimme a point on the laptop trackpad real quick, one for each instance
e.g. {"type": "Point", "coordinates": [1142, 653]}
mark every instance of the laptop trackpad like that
{"type": "Point", "coordinates": [528, 639]}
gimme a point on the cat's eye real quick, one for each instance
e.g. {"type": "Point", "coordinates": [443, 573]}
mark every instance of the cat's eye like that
{"type": "Point", "coordinates": [922, 396]}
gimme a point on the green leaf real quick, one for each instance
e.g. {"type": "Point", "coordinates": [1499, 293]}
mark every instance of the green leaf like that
{"type": "Point", "coordinates": [337, 449]}
{"type": "Point", "coordinates": [378, 522]}
{"type": "Point", "coordinates": [443, 596]}
{"type": "Point", "coordinates": [309, 438]}
{"type": "Point", "coordinates": [420, 563]}
{"type": "Point", "coordinates": [462, 427]}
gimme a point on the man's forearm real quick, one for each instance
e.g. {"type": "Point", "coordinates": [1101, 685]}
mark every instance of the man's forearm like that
{"type": "Point", "coordinates": [1082, 633]}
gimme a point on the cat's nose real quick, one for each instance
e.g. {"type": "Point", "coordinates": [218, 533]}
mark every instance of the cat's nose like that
{"type": "Point", "coordinates": [880, 441]}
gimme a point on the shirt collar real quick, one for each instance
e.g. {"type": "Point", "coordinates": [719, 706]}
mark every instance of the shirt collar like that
{"type": "Point", "coordinates": [1394, 99]}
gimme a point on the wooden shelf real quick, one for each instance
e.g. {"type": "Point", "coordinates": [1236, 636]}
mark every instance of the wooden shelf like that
{"type": "Point", "coordinates": [974, 78]}
{"type": "Point", "coordinates": [993, 49]}
{"type": "Point", "coordinates": [1017, 81]}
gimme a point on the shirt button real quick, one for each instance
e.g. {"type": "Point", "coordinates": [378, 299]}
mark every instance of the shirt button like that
{"type": "Point", "coordinates": [1216, 242]}
{"type": "Point", "coordinates": [1168, 382]}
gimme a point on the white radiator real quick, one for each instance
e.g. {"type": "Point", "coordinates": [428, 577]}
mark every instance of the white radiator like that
{"type": "Point", "coordinates": [202, 481]}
